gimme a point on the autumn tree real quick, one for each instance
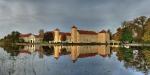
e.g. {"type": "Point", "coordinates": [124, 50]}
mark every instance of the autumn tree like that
{"type": "Point", "coordinates": [137, 27]}
{"type": "Point", "coordinates": [48, 36]}
{"type": "Point", "coordinates": [147, 26]}
{"type": "Point", "coordinates": [117, 35]}
{"type": "Point", "coordinates": [141, 22]}
{"type": "Point", "coordinates": [146, 36]}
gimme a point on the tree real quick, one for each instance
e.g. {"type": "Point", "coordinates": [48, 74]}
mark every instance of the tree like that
{"type": "Point", "coordinates": [141, 22]}
{"type": "Point", "coordinates": [146, 36]}
{"type": "Point", "coordinates": [48, 36]}
{"type": "Point", "coordinates": [126, 35]}
{"type": "Point", "coordinates": [14, 36]}
{"type": "Point", "coordinates": [117, 35]}
{"type": "Point", "coordinates": [125, 54]}
{"type": "Point", "coordinates": [136, 27]}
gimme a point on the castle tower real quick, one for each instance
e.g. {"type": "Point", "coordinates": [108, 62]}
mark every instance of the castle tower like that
{"type": "Point", "coordinates": [74, 34]}
{"type": "Point", "coordinates": [103, 37]}
{"type": "Point", "coordinates": [56, 35]}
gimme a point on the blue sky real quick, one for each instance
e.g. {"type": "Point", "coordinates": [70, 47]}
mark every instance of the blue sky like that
{"type": "Point", "coordinates": [31, 15]}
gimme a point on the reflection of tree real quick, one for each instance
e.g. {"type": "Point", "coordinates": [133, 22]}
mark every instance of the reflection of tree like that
{"type": "Point", "coordinates": [13, 50]}
{"type": "Point", "coordinates": [64, 51]}
{"type": "Point", "coordinates": [141, 62]}
{"type": "Point", "coordinates": [125, 54]}
{"type": "Point", "coordinates": [48, 50]}
{"type": "Point", "coordinates": [146, 54]}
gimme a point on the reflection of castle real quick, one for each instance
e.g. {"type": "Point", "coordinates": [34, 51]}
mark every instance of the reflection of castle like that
{"type": "Point", "coordinates": [57, 51]}
{"type": "Point", "coordinates": [82, 36]}
{"type": "Point", "coordinates": [82, 51]}
{"type": "Point", "coordinates": [30, 49]}
{"type": "Point", "coordinates": [88, 51]}
{"type": "Point", "coordinates": [103, 50]}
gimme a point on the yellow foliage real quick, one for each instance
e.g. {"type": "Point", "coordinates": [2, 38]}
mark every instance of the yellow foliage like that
{"type": "Point", "coordinates": [146, 36]}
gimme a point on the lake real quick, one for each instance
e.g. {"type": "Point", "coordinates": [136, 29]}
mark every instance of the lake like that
{"type": "Point", "coordinates": [74, 60]}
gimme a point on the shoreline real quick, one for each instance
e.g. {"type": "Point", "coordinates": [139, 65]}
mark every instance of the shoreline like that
{"type": "Point", "coordinates": [65, 44]}
{"type": "Point", "coordinates": [70, 44]}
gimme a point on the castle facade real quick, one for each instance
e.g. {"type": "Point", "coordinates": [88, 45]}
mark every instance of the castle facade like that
{"type": "Point", "coordinates": [82, 36]}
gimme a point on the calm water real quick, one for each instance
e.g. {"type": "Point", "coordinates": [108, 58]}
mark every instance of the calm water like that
{"type": "Point", "coordinates": [73, 60]}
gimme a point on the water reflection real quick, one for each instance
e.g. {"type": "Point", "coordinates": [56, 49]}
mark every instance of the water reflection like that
{"type": "Point", "coordinates": [74, 60]}
{"type": "Point", "coordinates": [81, 51]}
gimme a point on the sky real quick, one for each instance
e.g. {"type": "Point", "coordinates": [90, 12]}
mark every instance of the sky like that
{"type": "Point", "coordinates": [29, 16]}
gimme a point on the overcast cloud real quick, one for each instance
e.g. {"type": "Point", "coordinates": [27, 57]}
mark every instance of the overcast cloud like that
{"type": "Point", "coordinates": [31, 15]}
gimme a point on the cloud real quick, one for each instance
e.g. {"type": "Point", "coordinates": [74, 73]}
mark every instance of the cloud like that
{"type": "Point", "coordinates": [32, 15]}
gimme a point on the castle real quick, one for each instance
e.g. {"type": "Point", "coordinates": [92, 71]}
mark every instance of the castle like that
{"type": "Point", "coordinates": [82, 36]}
{"type": "Point", "coordinates": [75, 36]}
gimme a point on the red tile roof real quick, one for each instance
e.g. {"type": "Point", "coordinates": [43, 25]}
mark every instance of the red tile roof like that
{"type": "Point", "coordinates": [87, 32]}
{"type": "Point", "coordinates": [86, 55]}
{"type": "Point", "coordinates": [69, 34]}
{"type": "Point", "coordinates": [62, 32]}
{"type": "Point", "coordinates": [27, 35]}
{"type": "Point", "coordinates": [65, 33]}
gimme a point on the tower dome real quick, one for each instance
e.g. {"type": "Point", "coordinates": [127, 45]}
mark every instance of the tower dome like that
{"type": "Point", "coordinates": [74, 26]}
